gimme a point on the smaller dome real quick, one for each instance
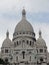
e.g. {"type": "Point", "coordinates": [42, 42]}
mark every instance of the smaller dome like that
{"type": "Point", "coordinates": [40, 41]}
{"type": "Point", "coordinates": [7, 41]}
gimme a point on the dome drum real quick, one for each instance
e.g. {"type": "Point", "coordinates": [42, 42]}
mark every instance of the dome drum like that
{"type": "Point", "coordinates": [24, 35]}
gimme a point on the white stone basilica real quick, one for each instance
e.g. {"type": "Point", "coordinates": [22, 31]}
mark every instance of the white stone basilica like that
{"type": "Point", "coordinates": [24, 49]}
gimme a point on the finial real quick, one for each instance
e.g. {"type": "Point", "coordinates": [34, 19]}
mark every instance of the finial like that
{"type": "Point", "coordinates": [7, 34]}
{"type": "Point", "coordinates": [23, 12]}
{"type": "Point", "coordinates": [40, 34]}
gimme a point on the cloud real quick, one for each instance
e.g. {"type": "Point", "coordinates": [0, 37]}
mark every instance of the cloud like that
{"type": "Point", "coordinates": [30, 5]}
{"type": "Point", "coordinates": [38, 17]}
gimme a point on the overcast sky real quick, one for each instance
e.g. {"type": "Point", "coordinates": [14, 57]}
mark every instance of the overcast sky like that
{"type": "Point", "coordinates": [37, 13]}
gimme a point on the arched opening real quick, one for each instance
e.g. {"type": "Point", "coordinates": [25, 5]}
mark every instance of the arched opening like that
{"type": "Point", "coordinates": [30, 58]}
{"type": "Point", "coordinates": [14, 44]}
{"type": "Point", "coordinates": [30, 42]}
{"type": "Point", "coordinates": [41, 59]}
{"type": "Point", "coordinates": [23, 52]}
{"type": "Point", "coordinates": [41, 50]}
{"type": "Point", "coordinates": [6, 60]}
{"type": "Point", "coordinates": [23, 41]}
{"type": "Point", "coordinates": [17, 58]}
{"type": "Point", "coordinates": [6, 50]}
{"type": "Point", "coordinates": [17, 42]}
{"type": "Point", "coordinates": [27, 41]}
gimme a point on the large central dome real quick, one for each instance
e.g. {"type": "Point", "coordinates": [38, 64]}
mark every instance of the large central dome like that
{"type": "Point", "coordinates": [24, 25]}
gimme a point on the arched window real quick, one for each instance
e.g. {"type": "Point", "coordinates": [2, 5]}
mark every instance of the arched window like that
{"type": "Point", "coordinates": [26, 32]}
{"type": "Point", "coordinates": [41, 50]}
{"type": "Point", "coordinates": [6, 60]}
{"type": "Point", "coordinates": [30, 52]}
{"type": "Point", "coordinates": [45, 50]}
{"type": "Point", "coordinates": [20, 32]}
{"type": "Point", "coordinates": [16, 52]}
{"type": "Point", "coordinates": [23, 54]}
{"type": "Point", "coordinates": [27, 41]}
{"type": "Point", "coordinates": [37, 50]}
{"type": "Point", "coordinates": [20, 42]}
{"type": "Point", "coordinates": [17, 58]}
{"type": "Point", "coordinates": [30, 58]}
{"type": "Point", "coordinates": [2, 51]}
{"type": "Point", "coordinates": [17, 33]}
{"type": "Point", "coordinates": [14, 44]}
{"type": "Point", "coordinates": [23, 32]}
{"type": "Point", "coordinates": [30, 42]}
{"type": "Point", "coordinates": [41, 59]}
{"type": "Point", "coordinates": [17, 42]}
{"type": "Point", "coordinates": [23, 41]}
{"type": "Point", "coordinates": [6, 50]}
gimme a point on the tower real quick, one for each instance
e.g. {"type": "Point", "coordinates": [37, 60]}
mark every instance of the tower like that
{"type": "Point", "coordinates": [41, 50]}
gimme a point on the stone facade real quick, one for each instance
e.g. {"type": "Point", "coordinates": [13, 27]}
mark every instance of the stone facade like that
{"type": "Point", "coordinates": [24, 48]}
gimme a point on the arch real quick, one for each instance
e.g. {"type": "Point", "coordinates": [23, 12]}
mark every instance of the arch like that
{"type": "Point", "coordinates": [6, 59]}
{"type": "Point", "coordinates": [41, 59]}
{"type": "Point", "coordinates": [30, 58]}
{"type": "Point", "coordinates": [41, 50]}
{"type": "Point", "coordinates": [20, 42]}
{"type": "Point", "coordinates": [30, 42]}
{"type": "Point", "coordinates": [6, 50]}
{"type": "Point", "coordinates": [27, 41]}
{"type": "Point", "coordinates": [17, 58]}
{"type": "Point", "coordinates": [23, 41]}
{"type": "Point", "coordinates": [17, 43]}
{"type": "Point", "coordinates": [14, 44]}
{"type": "Point", "coordinates": [23, 52]}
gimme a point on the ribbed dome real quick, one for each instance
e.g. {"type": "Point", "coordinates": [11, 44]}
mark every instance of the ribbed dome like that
{"type": "Point", "coordinates": [24, 25]}
{"type": "Point", "coordinates": [7, 41]}
{"type": "Point", "coordinates": [40, 41]}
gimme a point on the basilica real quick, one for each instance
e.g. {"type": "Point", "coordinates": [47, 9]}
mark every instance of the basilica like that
{"type": "Point", "coordinates": [24, 49]}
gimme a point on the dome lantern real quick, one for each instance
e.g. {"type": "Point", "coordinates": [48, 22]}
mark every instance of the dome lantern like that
{"type": "Point", "coordinates": [40, 34]}
{"type": "Point", "coordinates": [23, 13]}
{"type": "Point", "coordinates": [7, 34]}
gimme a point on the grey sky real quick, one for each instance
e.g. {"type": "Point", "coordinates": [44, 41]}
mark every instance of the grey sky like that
{"type": "Point", "coordinates": [37, 14]}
